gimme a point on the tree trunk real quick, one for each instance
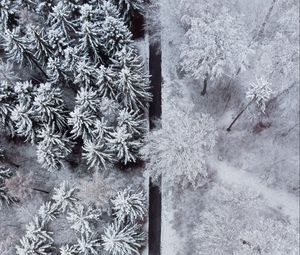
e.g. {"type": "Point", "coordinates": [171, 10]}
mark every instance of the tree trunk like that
{"type": "Point", "coordinates": [203, 92]}
{"type": "Point", "coordinates": [239, 115]}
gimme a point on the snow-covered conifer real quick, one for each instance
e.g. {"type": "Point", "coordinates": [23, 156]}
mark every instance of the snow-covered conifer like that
{"type": "Point", "coordinates": [18, 51]}
{"type": "Point", "coordinates": [7, 9]}
{"type": "Point", "coordinates": [35, 230]}
{"type": "Point", "coordinates": [132, 81]}
{"type": "Point", "coordinates": [183, 136]}
{"type": "Point", "coordinates": [5, 198]}
{"type": "Point", "coordinates": [23, 118]}
{"type": "Point", "coordinates": [57, 41]}
{"type": "Point", "coordinates": [88, 244]}
{"type": "Point", "coordinates": [7, 100]}
{"type": "Point", "coordinates": [48, 212]}
{"type": "Point", "coordinates": [124, 145]}
{"type": "Point", "coordinates": [97, 153]}
{"type": "Point", "coordinates": [133, 121]}
{"type": "Point", "coordinates": [89, 40]}
{"type": "Point", "coordinates": [68, 250]}
{"type": "Point", "coordinates": [82, 121]}
{"type": "Point", "coordinates": [106, 82]}
{"type": "Point", "coordinates": [52, 148]}
{"type": "Point", "coordinates": [28, 246]}
{"type": "Point", "coordinates": [115, 35]}
{"type": "Point", "coordinates": [85, 72]}
{"type": "Point", "coordinates": [38, 44]}
{"type": "Point", "coordinates": [48, 105]}
{"type": "Point", "coordinates": [102, 128]}
{"type": "Point", "coordinates": [60, 19]}
{"type": "Point", "coordinates": [87, 98]}
{"type": "Point", "coordinates": [260, 92]}
{"type": "Point", "coordinates": [64, 196]}
{"type": "Point", "coordinates": [108, 9]}
{"type": "Point", "coordinates": [128, 7]}
{"type": "Point", "coordinates": [81, 218]}
{"type": "Point", "coordinates": [56, 71]}
{"type": "Point", "coordinates": [129, 205]}
{"type": "Point", "coordinates": [120, 239]}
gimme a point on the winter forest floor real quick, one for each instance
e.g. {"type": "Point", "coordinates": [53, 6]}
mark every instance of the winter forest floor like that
{"type": "Point", "coordinates": [258, 154]}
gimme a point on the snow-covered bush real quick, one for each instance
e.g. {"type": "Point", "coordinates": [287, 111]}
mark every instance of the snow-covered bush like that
{"type": "Point", "coordinates": [120, 239]}
{"type": "Point", "coordinates": [178, 151]}
{"type": "Point", "coordinates": [129, 205]}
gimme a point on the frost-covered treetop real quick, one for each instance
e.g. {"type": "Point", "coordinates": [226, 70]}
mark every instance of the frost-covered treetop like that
{"type": "Point", "coordinates": [180, 148]}
{"type": "Point", "coordinates": [260, 92]}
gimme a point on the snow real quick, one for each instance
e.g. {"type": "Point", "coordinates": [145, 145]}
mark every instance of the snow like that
{"type": "Point", "coordinates": [281, 200]}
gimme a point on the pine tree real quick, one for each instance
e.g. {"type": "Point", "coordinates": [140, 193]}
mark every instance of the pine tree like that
{"type": "Point", "coordinates": [82, 121]}
{"type": "Point", "coordinates": [85, 72]}
{"type": "Point", "coordinates": [129, 7]}
{"type": "Point", "coordinates": [49, 106]}
{"type": "Point", "coordinates": [106, 82]}
{"type": "Point", "coordinates": [68, 250]}
{"type": "Point", "coordinates": [17, 50]}
{"type": "Point", "coordinates": [65, 197]}
{"type": "Point", "coordinates": [133, 121]}
{"type": "Point", "coordinates": [87, 98]}
{"type": "Point", "coordinates": [81, 219]}
{"type": "Point", "coordinates": [57, 40]}
{"type": "Point", "coordinates": [108, 9]}
{"type": "Point", "coordinates": [124, 145]}
{"type": "Point", "coordinates": [119, 239]}
{"type": "Point", "coordinates": [60, 19]}
{"type": "Point", "coordinates": [129, 205]}
{"type": "Point", "coordinates": [97, 153]}
{"type": "Point", "coordinates": [7, 9]}
{"type": "Point", "coordinates": [56, 71]}
{"type": "Point", "coordinates": [114, 34]}
{"type": "Point", "coordinates": [39, 45]}
{"type": "Point", "coordinates": [7, 101]}
{"type": "Point", "coordinates": [102, 129]}
{"type": "Point", "coordinates": [88, 244]}
{"type": "Point", "coordinates": [5, 198]}
{"type": "Point", "coordinates": [23, 118]}
{"type": "Point", "coordinates": [52, 148]}
{"type": "Point", "coordinates": [133, 84]}
{"type": "Point", "coordinates": [89, 40]}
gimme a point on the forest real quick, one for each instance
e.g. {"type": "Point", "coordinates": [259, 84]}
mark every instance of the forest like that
{"type": "Point", "coordinates": [158, 127]}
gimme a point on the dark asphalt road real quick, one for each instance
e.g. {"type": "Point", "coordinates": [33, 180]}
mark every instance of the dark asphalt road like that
{"type": "Point", "coordinates": [154, 235]}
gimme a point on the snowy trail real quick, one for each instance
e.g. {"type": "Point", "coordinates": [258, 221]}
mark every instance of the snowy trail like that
{"type": "Point", "coordinates": [287, 203]}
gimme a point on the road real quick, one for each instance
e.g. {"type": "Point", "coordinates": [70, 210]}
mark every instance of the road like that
{"type": "Point", "coordinates": [154, 235]}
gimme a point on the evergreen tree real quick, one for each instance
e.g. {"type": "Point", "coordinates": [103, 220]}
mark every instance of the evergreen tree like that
{"type": "Point", "coordinates": [114, 35]}
{"type": "Point", "coordinates": [132, 81]}
{"type": "Point", "coordinates": [124, 145]}
{"type": "Point", "coordinates": [120, 239]}
{"type": "Point", "coordinates": [17, 50]}
{"type": "Point", "coordinates": [52, 148]}
{"type": "Point", "coordinates": [85, 72]}
{"type": "Point", "coordinates": [56, 71]}
{"type": "Point", "coordinates": [5, 198]}
{"type": "Point", "coordinates": [7, 101]}
{"type": "Point", "coordinates": [106, 82]}
{"type": "Point", "coordinates": [39, 45]}
{"type": "Point", "coordinates": [81, 218]}
{"type": "Point", "coordinates": [49, 106]}
{"type": "Point", "coordinates": [88, 244]}
{"type": "Point", "coordinates": [97, 153]}
{"type": "Point", "coordinates": [133, 121]}
{"type": "Point", "coordinates": [60, 19]}
{"type": "Point", "coordinates": [89, 40]}
{"type": "Point", "coordinates": [23, 118]}
{"type": "Point", "coordinates": [129, 205]}
{"type": "Point", "coordinates": [129, 7]}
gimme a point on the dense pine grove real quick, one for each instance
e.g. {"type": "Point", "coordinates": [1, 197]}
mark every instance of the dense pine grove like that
{"type": "Point", "coordinates": [70, 75]}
